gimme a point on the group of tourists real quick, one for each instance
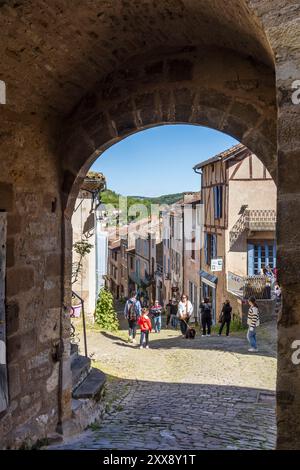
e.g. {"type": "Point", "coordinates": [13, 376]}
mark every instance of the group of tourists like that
{"type": "Point", "coordinates": [149, 318]}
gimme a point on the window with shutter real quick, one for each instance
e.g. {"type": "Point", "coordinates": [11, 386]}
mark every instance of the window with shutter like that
{"type": "Point", "coordinates": [206, 248]}
{"type": "Point", "coordinates": [214, 246]}
{"type": "Point", "coordinates": [250, 259]}
{"type": "Point", "coordinates": [215, 190]}
{"type": "Point", "coordinates": [220, 202]}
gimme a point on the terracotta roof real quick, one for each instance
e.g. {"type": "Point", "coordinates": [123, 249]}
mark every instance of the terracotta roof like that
{"type": "Point", "coordinates": [226, 155]}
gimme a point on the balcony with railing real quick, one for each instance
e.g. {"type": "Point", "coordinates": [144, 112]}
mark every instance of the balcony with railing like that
{"type": "Point", "coordinates": [253, 220]}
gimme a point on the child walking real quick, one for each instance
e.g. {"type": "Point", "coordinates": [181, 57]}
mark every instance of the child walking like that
{"type": "Point", "coordinates": [146, 327]}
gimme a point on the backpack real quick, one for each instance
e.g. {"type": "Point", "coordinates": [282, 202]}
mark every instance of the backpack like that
{"type": "Point", "coordinates": [132, 311]}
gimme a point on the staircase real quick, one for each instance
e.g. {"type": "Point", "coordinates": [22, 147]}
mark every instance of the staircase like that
{"type": "Point", "coordinates": [87, 381]}
{"type": "Point", "coordinates": [87, 391]}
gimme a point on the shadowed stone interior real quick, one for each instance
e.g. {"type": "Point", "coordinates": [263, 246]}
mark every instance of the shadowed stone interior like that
{"type": "Point", "coordinates": [80, 76]}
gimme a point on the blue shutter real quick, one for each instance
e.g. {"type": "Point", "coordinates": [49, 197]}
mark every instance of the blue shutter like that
{"type": "Point", "coordinates": [274, 255]}
{"type": "Point", "coordinates": [259, 259]}
{"type": "Point", "coordinates": [206, 247]}
{"type": "Point", "coordinates": [214, 246]}
{"type": "Point", "coordinates": [215, 189]}
{"type": "Point", "coordinates": [220, 201]}
{"type": "Point", "coordinates": [267, 254]}
{"type": "Point", "coordinates": [250, 259]}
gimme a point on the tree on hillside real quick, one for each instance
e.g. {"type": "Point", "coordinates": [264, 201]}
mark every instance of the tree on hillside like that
{"type": "Point", "coordinates": [105, 314]}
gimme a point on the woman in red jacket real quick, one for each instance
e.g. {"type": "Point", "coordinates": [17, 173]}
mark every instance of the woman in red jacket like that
{"type": "Point", "coordinates": [146, 327]}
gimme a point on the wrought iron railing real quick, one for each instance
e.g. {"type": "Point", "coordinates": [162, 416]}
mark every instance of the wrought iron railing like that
{"type": "Point", "coordinates": [258, 287]}
{"type": "Point", "coordinates": [250, 286]}
{"type": "Point", "coordinates": [73, 333]}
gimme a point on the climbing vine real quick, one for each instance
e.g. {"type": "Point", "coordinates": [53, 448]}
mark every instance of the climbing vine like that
{"type": "Point", "coordinates": [82, 248]}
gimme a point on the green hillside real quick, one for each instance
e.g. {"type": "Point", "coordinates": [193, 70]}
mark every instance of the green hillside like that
{"type": "Point", "coordinates": [111, 197]}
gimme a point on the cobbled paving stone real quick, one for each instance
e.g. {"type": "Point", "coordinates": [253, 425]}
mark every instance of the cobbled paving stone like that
{"type": "Point", "coordinates": [209, 393]}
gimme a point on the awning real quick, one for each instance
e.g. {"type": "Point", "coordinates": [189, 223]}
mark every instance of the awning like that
{"type": "Point", "coordinates": [208, 278]}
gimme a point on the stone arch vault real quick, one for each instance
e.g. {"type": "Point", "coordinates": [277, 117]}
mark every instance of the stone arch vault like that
{"type": "Point", "coordinates": [81, 77]}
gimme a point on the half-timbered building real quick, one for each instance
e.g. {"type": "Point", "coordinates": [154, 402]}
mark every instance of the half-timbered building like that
{"type": "Point", "coordinates": [239, 201]}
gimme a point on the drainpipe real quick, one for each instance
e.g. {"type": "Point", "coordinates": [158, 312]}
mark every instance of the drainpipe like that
{"type": "Point", "coordinates": [100, 242]}
{"type": "Point", "coordinates": [97, 256]}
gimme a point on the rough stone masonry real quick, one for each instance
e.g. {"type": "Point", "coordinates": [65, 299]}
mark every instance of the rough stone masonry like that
{"type": "Point", "coordinates": [79, 78]}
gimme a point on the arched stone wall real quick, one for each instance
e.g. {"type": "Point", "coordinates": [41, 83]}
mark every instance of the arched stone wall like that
{"type": "Point", "coordinates": [213, 88]}
{"type": "Point", "coordinates": [152, 54]}
{"type": "Point", "coordinates": [281, 26]}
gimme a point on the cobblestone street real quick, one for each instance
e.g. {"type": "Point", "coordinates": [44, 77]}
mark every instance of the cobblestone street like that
{"type": "Point", "coordinates": [207, 393]}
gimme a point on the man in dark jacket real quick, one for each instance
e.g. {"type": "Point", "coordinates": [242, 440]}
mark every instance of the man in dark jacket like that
{"type": "Point", "coordinates": [206, 318]}
{"type": "Point", "coordinates": [225, 317]}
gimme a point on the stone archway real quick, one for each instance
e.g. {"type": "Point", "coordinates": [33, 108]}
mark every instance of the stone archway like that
{"type": "Point", "coordinates": [241, 104]}
{"type": "Point", "coordinates": [143, 63]}
{"type": "Point", "coordinates": [213, 88]}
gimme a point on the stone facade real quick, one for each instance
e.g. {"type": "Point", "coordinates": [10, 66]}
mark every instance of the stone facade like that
{"type": "Point", "coordinates": [75, 93]}
{"type": "Point", "coordinates": [88, 228]}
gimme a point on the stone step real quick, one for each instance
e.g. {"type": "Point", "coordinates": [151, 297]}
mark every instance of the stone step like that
{"type": "Point", "coordinates": [92, 385]}
{"type": "Point", "coordinates": [80, 367]}
{"type": "Point", "coordinates": [74, 351]}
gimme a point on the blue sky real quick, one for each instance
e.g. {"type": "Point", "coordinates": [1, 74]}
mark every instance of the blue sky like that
{"type": "Point", "coordinates": [160, 160]}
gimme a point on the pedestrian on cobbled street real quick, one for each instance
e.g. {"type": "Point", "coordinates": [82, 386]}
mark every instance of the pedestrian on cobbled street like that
{"type": "Point", "coordinates": [171, 309]}
{"type": "Point", "coordinates": [155, 313]}
{"type": "Point", "coordinates": [132, 313]}
{"type": "Point", "coordinates": [146, 328]}
{"type": "Point", "coordinates": [174, 309]}
{"type": "Point", "coordinates": [225, 317]}
{"type": "Point", "coordinates": [206, 317]}
{"type": "Point", "coordinates": [252, 322]}
{"type": "Point", "coordinates": [184, 313]}
{"type": "Point", "coordinates": [168, 312]}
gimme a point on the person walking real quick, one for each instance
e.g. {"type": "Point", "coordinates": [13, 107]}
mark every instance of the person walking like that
{"type": "Point", "coordinates": [225, 318]}
{"type": "Point", "coordinates": [185, 310]}
{"type": "Point", "coordinates": [253, 323]}
{"type": "Point", "coordinates": [174, 309]}
{"type": "Point", "coordinates": [155, 313]}
{"type": "Point", "coordinates": [168, 312]}
{"type": "Point", "coordinates": [206, 318]}
{"type": "Point", "coordinates": [146, 328]}
{"type": "Point", "coordinates": [132, 313]}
